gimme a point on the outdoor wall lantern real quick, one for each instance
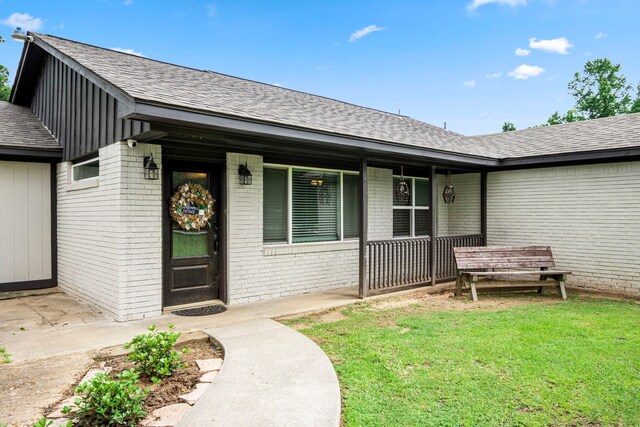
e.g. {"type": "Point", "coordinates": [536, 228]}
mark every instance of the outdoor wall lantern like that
{"type": "Point", "coordinates": [150, 168]}
{"type": "Point", "coordinates": [245, 175]}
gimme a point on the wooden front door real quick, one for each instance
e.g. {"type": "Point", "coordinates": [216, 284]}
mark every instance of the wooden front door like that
{"type": "Point", "coordinates": [191, 272]}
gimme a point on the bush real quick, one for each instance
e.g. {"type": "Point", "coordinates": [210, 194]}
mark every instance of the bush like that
{"type": "Point", "coordinates": [154, 354]}
{"type": "Point", "coordinates": [44, 422]}
{"type": "Point", "coordinates": [111, 401]}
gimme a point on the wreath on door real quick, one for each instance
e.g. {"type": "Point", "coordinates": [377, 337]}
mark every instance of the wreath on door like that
{"type": "Point", "coordinates": [191, 206]}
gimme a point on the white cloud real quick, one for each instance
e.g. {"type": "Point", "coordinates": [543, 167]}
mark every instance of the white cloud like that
{"type": "Point", "coordinates": [494, 75]}
{"type": "Point", "coordinates": [23, 20]}
{"type": "Point", "coordinates": [522, 52]}
{"type": "Point", "coordinates": [363, 32]}
{"type": "Point", "coordinates": [477, 3]}
{"type": "Point", "coordinates": [559, 45]}
{"type": "Point", "coordinates": [523, 72]}
{"type": "Point", "coordinates": [129, 51]}
{"type": "Point", "coordinates": [601, 35]}
{"type": "Point", "coordinates": [469, 83]}
{"type": "Point", "coordinates": [127, 2]}
{"type": "Point", "coordinates": [58, 27]}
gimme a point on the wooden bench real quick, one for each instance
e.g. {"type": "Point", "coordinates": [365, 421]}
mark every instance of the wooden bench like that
{"type": "Point", "coordinates": [507, 268]}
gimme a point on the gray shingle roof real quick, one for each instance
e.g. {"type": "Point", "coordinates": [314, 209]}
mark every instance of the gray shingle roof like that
{"type": "Point", "coordinates": [616, 132]}
{"type": "Point", "coordinates": [179, 87]}
{"type": "Point", "coordinates": [21, 129]}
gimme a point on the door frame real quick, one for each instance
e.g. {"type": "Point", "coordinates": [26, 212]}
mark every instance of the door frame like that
{"type": "Point", "coordinates": [220, 169]}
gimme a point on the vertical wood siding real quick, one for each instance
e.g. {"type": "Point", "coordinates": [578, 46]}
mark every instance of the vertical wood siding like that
{"type": "Point", "coordinates": [78, 113]}
{"type": "Point", "coordinates": [25, 221]}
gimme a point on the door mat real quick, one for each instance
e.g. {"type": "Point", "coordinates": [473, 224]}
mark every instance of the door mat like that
{"type": "Point", "coordinates": [201, 311]}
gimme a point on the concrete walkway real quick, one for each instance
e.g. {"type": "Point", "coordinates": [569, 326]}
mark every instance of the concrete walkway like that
{"type": "Point", "coordinates": [271, 376]}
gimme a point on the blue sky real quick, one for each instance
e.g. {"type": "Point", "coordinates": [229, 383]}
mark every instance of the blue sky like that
{"type": "Point", "coordinates": [435, 61]}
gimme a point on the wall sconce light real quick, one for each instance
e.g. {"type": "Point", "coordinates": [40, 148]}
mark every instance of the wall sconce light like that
{"type": "Point", "coordinates": [245, 175]}
{"type": "Point", "coordinates": [150, 168]}
{"type": "Point", "coordinates": [449, 194]}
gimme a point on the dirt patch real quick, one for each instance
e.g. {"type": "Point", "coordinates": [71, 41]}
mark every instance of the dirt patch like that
{"type": "Point", "coordinates": [27, 387]}
{"type": "Point", "coordinates": [166, 392]}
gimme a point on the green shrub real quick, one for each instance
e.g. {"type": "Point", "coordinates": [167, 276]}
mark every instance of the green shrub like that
{"type": "Point", "coordinates": [4, 358]}
{"type": "Point", "coordinates": [111, 401]}
{"type": "Point", "coordinates": [45, 422]}
{"type": "Point", "coordinates": [154, 354]}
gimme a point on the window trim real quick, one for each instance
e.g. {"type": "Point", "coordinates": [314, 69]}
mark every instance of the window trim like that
{"type": "Point", "coordinates": [412, 207]}
{"type": "Point", "coordinates": [290, 169]}
{"type": "Point", "coordinates": [84, 162]}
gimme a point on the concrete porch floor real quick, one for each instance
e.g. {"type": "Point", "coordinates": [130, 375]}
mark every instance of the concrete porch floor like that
{"type": "Point", "coordinates": [48, 323]}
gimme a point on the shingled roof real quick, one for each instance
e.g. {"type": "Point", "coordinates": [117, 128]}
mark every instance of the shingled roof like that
{"type": "Point", "coordinates": [148, 81]}
{"type": "Point", "coordinates": [22, 130]}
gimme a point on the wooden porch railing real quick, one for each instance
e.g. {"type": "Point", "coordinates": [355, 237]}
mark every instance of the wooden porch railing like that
{"type": "Point", "coordinates": [400, 263]}
{"type": "Point", "coordinates": [445, 262]}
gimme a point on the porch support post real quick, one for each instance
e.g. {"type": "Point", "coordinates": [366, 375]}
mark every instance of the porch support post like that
{"type": "Point", "coordinates": [433, 207]}
{"type": "Point", "coordinates": [363, 225]}
{"type": "Point", "coordinates": [483, 207]}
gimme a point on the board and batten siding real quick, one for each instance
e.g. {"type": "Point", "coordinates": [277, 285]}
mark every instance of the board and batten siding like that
{"type": "Point", "coordinates": [25, 222]}
{"type": "Point", "coordinates": [589, 215]}
{"type": "Point", "coordinates": [81, 115]}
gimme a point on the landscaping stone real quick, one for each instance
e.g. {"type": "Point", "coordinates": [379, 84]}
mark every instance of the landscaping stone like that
{"type": "Point", "coordinates": [192, 398]}
{"type": "Point", "coordinates": [208, 365]}
{"type": "Point", "coordinates": [208, 377]}
{"type": "Point", "coordinates": [93, 372]}
{"type": "Point", "coordinates": [67, 402]}
{"type": "Point", "coordinates": [167, 416]}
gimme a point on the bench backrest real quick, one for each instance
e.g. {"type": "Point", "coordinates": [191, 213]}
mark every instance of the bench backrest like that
{"type": "Point", "coordinates": [503, 257]}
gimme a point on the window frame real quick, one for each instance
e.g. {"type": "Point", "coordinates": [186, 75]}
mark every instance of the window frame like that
{"type": "Point", "coordinates": [82, 163]}
{"type": "Point", "coordinates": [412, 208]}
{"type": "Point", "coordinates": [289, 169]}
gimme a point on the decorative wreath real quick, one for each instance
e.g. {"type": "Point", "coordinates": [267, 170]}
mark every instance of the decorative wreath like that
{"type": "Point", "coordinates": [191, 206]}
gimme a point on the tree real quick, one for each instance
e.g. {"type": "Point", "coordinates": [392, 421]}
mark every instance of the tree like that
{"type": "Point", "coordinates": [5, 90]}
{"type": "Point", "coordinates": [508, 127]}
{"type": "Point", "coordinates": [570, 117]}
{"type": "Point", "coordinates": [635, 108]}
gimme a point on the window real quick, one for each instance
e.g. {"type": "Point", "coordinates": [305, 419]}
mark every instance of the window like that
{"type": "Point", "coordinates": [411, 217]}
{"type": "Point", "coordinates": [304, 205]}
{"type": "Point", "coordinates": [86, 170]}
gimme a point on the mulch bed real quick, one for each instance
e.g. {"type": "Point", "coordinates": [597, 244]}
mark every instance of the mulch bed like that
{"type": "Point", "coordinates": [166, 392]}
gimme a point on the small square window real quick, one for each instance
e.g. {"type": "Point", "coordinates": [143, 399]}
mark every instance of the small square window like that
{"type": "Point", "coordinates": [86, 170]}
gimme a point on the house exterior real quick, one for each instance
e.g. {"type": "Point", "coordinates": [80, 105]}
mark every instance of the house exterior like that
{"type": "Point", "coordinates": [264, 192]}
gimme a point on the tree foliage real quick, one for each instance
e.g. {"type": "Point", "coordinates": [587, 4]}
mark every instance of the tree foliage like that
{"type": "Point", "coordinates": [5, 89]}
{"type": "Point", "coordinates": [508, 127]}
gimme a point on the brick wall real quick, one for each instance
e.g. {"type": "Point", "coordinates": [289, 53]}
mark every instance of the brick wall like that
{"type": "Point", "coordinates": [110, 234]}
{"type": "Point", "coordinates": [462, 216]}
{"type": "Point", "coordinates": [590, 215]}
{"type": "Point", "coordinates": [380, 203]}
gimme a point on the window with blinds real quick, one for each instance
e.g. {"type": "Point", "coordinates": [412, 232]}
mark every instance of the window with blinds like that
{"type": "Point", "coordinates": [323, 205]}
{"type": "Point", "coordinates": [411, 217]}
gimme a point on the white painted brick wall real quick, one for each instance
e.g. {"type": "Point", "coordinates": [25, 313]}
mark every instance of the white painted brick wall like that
{"type": "Point", "coordinates": [110, 234]}
{"type": "Point", "coordinates": [589, 215]}
{"type": "Point", "coordinates": [462, 216]}
{"type": "Point", "coordinates": [380, 203]}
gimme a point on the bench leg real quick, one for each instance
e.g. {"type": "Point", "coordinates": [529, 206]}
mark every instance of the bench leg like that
{"type": "Point", "coordinates": [473, 293]}
{"type": "Point", "coordinates": [539, 289]}
{"type": "Point", "coordinates": [458, 290]}
{"type": "Point", "coordinates": [561, 290]}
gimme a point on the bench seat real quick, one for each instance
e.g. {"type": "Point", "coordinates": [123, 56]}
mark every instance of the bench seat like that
{"type": "Point", "coordinates": [482, 267]}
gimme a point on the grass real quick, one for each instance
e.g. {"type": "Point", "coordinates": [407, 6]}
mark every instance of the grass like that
{"type": "Point", "coordinates": [4, 356]}
{"type": "Point", "coordinates": [573, 363]}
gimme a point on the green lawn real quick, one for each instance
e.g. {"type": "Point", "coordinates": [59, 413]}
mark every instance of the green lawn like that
{"type": "Point", "coordinates": [573, 363]}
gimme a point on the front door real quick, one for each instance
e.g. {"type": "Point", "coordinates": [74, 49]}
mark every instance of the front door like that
{"type": "Point", "coordinates": [191, 244]}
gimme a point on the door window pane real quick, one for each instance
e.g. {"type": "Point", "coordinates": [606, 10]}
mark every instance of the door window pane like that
{"type": "Point", "coordinates": [350, 210]}
{"type": "Point", "coordinates": [180, 178]}
{"type": "Point", "coordinates": [315, 206]}
{"type": "Point", "coordinates": [189, 243]}
{"type": "Point", "coordinates": [275, 205]}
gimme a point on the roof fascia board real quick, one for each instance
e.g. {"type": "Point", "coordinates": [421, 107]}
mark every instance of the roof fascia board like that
{"type": "Point", "coordinates": [162, 114]}
{"type": "Point", "coordinates": [125, 101]}
{"type": "Point", "coordinates": [586, 156]}
{"type": "Point", "coordinates": [31, 153]}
